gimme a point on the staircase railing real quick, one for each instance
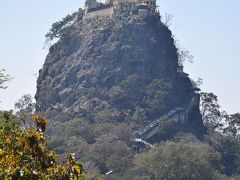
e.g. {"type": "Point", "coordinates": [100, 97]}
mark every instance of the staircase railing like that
{"type": "Point", "coordinates": [154, 123]}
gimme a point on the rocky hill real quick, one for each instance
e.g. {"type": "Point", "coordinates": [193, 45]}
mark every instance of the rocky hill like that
{"type": "Point", "coordinates": [108, 78]}
{"type": "Point", "coordinates": [118, 65]}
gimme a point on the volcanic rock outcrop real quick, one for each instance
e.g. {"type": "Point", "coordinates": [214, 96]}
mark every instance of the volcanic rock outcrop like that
{"type": "Point", "coordinates": [124, 66]}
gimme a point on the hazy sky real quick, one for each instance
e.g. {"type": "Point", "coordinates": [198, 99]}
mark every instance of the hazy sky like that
{"type": "Point", "coordinates": [209, 29]}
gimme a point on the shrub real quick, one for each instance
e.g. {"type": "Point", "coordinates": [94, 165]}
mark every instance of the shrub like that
{"type": "Point", "coordinates": [24, 153]}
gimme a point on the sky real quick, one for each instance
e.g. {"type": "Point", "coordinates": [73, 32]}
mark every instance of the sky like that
{"type": "Point", "coordinates": [209, 30]}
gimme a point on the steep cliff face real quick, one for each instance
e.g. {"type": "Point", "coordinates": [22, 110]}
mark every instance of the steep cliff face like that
{"type": "Point", "coordinates": [119, 68]}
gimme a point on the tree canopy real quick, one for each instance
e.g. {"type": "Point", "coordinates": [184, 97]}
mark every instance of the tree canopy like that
{"type": "Point", "coordinates": [24, 153]}
{"type": "Point", "coordinates": [176, 160]}
{"type": "Point", "coordinates": [3, 79]}
{"type": "Point", "coordinates": [59, 27]}
{"type": "Point", "coordinates": [210, 110]}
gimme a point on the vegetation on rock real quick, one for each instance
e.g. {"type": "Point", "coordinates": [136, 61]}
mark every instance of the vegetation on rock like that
{"type": "Point", "coordinates": [59, 28]}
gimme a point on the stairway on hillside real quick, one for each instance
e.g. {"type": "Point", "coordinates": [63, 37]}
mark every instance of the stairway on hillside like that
{"type": "Point", "coordinates": [154, 123]}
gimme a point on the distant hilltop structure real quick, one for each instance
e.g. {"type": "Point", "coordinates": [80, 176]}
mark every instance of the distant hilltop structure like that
{"type": "Point", "coordinates": [93, 8]}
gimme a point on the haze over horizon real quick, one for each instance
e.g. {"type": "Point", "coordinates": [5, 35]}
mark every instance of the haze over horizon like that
{"type": "Point", "coordinates": [209, 30]}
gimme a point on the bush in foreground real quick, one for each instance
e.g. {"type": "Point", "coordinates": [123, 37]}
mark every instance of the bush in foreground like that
{"type": "Point", "coordinates": [24, 153]}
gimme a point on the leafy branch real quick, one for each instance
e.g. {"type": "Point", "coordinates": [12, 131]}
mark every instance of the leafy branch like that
{"type": "Point", "coordinates": [58, 28]}
{"type": "Point", "coordinates": [3, 79]}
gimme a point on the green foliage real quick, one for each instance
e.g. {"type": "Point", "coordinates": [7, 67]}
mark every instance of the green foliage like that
{"type": "Point", "coordinates": [98, 162]}
{"type": "Point", "coordinates": [183, 54]}
{"type": "Point", "coordinates": [24, 153]}
{"type": "Point", "coordinates": [132, 91]}
{"type": "Point", "coordinates": [215, 119]}
{"type": "Point", "coordinates": [210, 110]}
{"type": "Point", "coordinates": [59, 28]}
{"type": "Point", "coordinates": [100, 145]}
{"type": "Point", "coordinates": [139, 115]}
{"type": "Point", "coordinates": [150, 97]}
{"type": "Point", "coordinates": [104, 115]}
{"type": "Point", "coordinates": [123, 132]}
{"type": "Point", "coordinates": [115, 152]}
{"type": "Point", "coordinates": [186, 138]}
{"type": "Point", "coordinates": [24, 108]}
{"type": "Point", "coordinates": [3, 79]}
{"type": "Point", "coordinates": [72, 134]}
{"type": "Point", "coordinates": [170, 161]}
{"type": "Point", "coordinates": [156, 96]}
{"type": "Point", "coordinates": [197, 83]}
{"type": "Point", "coordinates": [226, 142]}
{"type": "Point", "coordinates": [230, 150]}
{"type": "Point", "coordinates": [25, 103]}
{"type": "Point", "coordinates": [129, 83]}
{"type": "Point", "coordinates": [233, 124]}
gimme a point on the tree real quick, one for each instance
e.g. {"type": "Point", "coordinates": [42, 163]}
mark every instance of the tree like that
{"type": "Point", "coordinates": [155, 97]}
{"type": "Point", "coordinates": [210, 110]}
{"type": "Point", "coordinates": [229, 148]}
{"type": "Point", "coordinates": [233, 124]}
{"type": "Point", "coordinates": [197, 83]}
{"type": "Point", "coordinates": [24, 107]}
{"type": "Point", "coordinates": [168, 19]}
{"type": "Point", "coordinates": [115, 152]}
{"type": "Point", "coordinates": [3, 79]}
{"type": "Point", "coordinates": [182, 53]}
{"type": "Point", "coordinates": [170, 161]}
{"type": "Point", "coordinates": [139, 116]}
{"type": "Point", "coordinates": [58, 28]}
{"type": "Point", "coordinates": [24, 153]}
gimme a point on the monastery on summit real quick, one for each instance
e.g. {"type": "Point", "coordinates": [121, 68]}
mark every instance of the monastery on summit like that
{"type": "Point", "coordinates": [114, 7]}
